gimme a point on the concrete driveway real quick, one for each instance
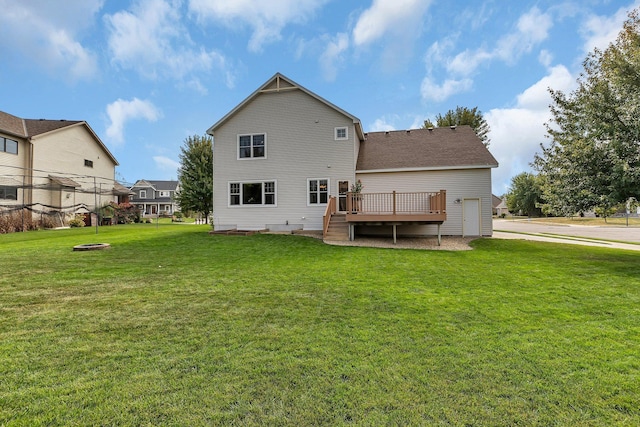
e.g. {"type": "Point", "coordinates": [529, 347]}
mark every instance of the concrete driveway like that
{"type": "Point", "coordinates": [570, 234]}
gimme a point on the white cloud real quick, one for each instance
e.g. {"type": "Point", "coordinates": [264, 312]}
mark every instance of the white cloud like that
{"type": "Point", "coordinates": [432, 91]}
{"type": "Point", "coordinates": [49, 34]}
{"type": "Point", "coordinates": [122, 111]}
{"type": "Point", "coordinates": [516, 133]}
{"type": "Point", "coordinates": [166, 164]}
{"type": "Point", "coordinates": [599, 31]}
{"type": "Point", "coordinates": [396, 24]}
{"type": "Point", "coordinates": [545, 57]}
{"type": "Point", "coordinates": [333, 55]}
{"type": "Point", "coordinates": [532, 28]}
{"type": "Point", "coordinates": [389, 16]}
{"type": "Point", "coordinates": [266, 18]}
{"type": "Point", "coordinates": [381, 124]}
{"type": "Point", "coordinates": [151, 39]}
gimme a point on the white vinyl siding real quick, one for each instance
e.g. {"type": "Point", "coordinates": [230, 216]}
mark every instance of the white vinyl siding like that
{"type": "Point", "coordinates": [300, 138]}
{"type": "Point", "coordinates": [459, 184]}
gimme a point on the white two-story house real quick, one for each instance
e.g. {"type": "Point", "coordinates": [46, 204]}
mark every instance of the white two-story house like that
{"type": "Point", "coordinates": [286, 159]}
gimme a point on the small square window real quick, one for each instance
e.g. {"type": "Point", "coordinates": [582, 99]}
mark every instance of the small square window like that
{"type": "Point", "coordinates": [341, 134]}
{"type": "Point", "coordinates": [88, 163]}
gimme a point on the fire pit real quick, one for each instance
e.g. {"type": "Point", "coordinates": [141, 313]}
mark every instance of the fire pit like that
{"type": "Point", "coordinates": [91, 247]}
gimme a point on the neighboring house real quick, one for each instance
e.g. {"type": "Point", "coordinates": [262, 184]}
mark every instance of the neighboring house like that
{"type": "Point", "coordinates": [500, 206]}
{"type": "Point", "coordinates": [56, 167]}
{"type": "Point", "coordinates": [155, 197]}
{"type": "Point", "coordinates": [286, 159]}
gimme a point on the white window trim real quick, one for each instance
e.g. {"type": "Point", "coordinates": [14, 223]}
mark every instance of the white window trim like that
{"type": "Point", "coordinates": [145, 194]}
{"type": "Point", "coordinates": [328, 191]}
{"type": "Point", "coordinates": [253, 181]}
{"type": "Point", "coordinates": [251, 134]}
{"type": "Point", "coordinates": [346, 133]}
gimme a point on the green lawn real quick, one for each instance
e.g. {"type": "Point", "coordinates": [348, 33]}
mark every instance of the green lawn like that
{"type": "Point", "coordinates": [172, 326]}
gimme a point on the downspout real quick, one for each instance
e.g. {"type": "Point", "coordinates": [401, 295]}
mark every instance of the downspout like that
{"type": "Point", "coordinates": [28, 200]}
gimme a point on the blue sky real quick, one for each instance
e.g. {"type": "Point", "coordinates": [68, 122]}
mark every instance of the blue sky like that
{"type": "Point", "coordinates": [146, 74]}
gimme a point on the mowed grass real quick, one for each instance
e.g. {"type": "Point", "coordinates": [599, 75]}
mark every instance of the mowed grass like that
{"type": "Point", "coordinates": [173, 326]}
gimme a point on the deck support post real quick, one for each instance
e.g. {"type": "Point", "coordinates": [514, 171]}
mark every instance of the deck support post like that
{"type": "Point", "coordinates": [394, 234]}
{"type": "Point", "coordinates": [351, 232]}
{"type": "Point", "coordinates": [439, 236]}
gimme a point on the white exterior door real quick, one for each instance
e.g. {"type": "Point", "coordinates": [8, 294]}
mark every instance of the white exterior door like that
{"type": "Point", "coordinates": [471, 217]}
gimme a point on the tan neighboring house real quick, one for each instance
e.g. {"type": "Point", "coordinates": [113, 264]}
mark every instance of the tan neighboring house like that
{"type": "Point", "coordinates": [57, 167]}
{"type": "Point", "coordinates": [286, 159]}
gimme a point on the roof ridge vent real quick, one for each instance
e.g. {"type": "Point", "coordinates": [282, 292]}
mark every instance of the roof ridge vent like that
{"type": "Point", "coordinates": [453, 127]}
{"type": "Point", "coordinates": [430, 128]}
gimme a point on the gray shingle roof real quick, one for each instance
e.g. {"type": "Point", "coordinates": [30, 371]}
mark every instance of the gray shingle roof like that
{"type": "Point", "coordinates": [27, 128]}
{"type": "Point", "coordinates": [12, 124]}
{"type": "Point", "coordinates": [423, 149]}
{"type": "Point", "coordinates": [40, 126]}
{"type": "Point", "coordinates": [163, 185]}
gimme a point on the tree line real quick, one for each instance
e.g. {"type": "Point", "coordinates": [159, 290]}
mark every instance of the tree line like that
{"type": "Point", "coordinates": [592, 163]}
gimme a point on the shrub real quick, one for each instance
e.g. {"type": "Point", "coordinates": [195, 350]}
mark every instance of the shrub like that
{"type": "Point", "coordinates": [125, 213]}
{"type": "Point", "coordinates": [22, 220]}
{"type": "Point", "coordinates": [77, 221]}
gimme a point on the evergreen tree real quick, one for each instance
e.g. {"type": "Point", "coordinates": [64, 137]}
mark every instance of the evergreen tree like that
{"type": "Point", "coordinates": [196, 175]}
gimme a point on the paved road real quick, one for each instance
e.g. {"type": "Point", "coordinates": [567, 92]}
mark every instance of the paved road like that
{"type": "Point", "coordinates": [572, 234]}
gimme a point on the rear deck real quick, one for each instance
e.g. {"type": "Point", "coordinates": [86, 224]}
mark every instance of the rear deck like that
{"type": "Point", "coordinates": [395, 208]}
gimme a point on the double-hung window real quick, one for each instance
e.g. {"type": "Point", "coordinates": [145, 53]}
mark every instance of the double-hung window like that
{"type": "Point", "coordinates": [252, 146]}
{"type": "Point", "coordinates": [8, 145]}
{"type": "Point", "coordinates": [261, 193]}
{"type": "Point", "coordinates": [143, 194]}
{"type": "Point", "coordinates": [318, 190]}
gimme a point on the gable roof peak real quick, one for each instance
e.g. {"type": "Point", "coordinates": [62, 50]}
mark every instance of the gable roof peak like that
{"type": "Point", "coordinates": [280, 83]}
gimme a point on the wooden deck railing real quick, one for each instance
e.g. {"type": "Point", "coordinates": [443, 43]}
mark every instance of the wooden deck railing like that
{"type": "Point", "coordinates": [395, 203]}
{"type": "Point", "coordinates": [331, 209]}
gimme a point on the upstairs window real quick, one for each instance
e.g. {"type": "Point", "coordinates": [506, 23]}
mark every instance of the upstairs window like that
{"type": "Point", "coordinates": [341, 134]}
{"type": "Point", "coordinates": [8, 145]}
{"type": "Point", "coordinates": [88, 163]}
{"type": "Point", "coordinates": [164, 194]}
{"type": "Point", "coordinates": [143, 194]}
{"type": "Point", "coordinates": [252, 146]}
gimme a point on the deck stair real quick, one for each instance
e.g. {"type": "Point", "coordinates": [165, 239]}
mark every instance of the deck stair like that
{"type": "Point", "coordinates": [338, 228]}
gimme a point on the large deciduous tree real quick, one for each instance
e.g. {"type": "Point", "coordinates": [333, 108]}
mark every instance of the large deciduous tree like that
{"type": "Point", "coordinates": [525, 194]}
{"type": "Point", "coordinates": [196, 175]}
{"type": "Point", "coordinates": [463, 116]}
{"type": "Point", "coordinates": [593, 160]}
